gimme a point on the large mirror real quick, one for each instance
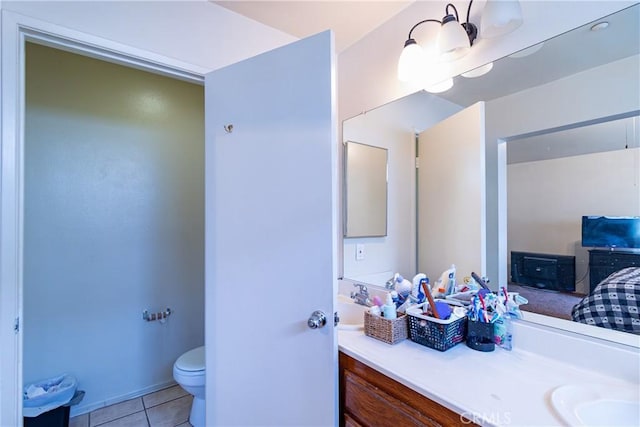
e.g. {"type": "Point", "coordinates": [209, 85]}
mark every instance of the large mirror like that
{"type": "Point", "coordinates": [583, 82]}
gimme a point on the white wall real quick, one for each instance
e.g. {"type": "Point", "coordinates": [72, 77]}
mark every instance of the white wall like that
{"type": "Point", "coordinates": [196, 32]}
{"type": "Point", "coordinates": [547, 200]}
{"type": "Point", "coordinates": [114, 224]}
{"type": "Point", "coordinates": [565, 101]}
{"type": "Point", "coordinates": [393, 127]}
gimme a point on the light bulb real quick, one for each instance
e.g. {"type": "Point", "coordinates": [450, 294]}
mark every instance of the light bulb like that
{"type": "Point", "coordinates": [438, 78]}
{"type": "Point", "coordinates": [411, 64]}
{"type": "Point", "coordinates": [440, 87]}
{"type": "Point", "coordinates": [453, 41]}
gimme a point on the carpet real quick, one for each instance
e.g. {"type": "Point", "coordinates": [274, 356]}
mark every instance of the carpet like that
{"type": "Point", "coordinates": [550, 303]}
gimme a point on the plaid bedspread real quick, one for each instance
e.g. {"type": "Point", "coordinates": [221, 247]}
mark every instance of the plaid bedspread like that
{"type": "Point", "coordinates": [614, 303]}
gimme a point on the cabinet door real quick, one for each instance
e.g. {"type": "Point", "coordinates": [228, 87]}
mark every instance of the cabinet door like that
{"type": "Point", "coordinates": [350, 422]}
{"type": "Point", "coordinates": [451, 211]}
{"type": "Point", "coordinates": [371, 399]}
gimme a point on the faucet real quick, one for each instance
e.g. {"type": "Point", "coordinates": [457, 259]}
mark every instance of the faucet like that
{"type": "Point", "coordinates": [390, 284]}
{"type": "Point", "coordinates": [361, 296]}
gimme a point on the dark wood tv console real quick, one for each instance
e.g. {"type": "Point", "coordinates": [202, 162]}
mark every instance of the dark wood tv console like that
{"type": "Point", "coordinates": [603, 262]}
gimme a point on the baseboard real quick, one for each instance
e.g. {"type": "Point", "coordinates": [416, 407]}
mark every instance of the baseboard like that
{"type": "Point", "coordinates": [83, 409]}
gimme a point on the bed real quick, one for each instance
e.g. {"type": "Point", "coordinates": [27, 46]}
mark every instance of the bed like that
{"type": "Point", "coordinates": [614, 303]}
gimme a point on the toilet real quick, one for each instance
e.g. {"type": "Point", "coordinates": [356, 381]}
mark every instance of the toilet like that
{"type": "Point", "coordinates": [189, 373]}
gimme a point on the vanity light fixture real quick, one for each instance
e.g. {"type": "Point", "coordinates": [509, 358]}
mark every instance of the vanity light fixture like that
{"type": "Point", "coordinates": [455, 38]}
{"type": "Point", "coordinates": [526, 52]}
{"type": "Point", "coordinates": [477, 72]}
{"type": "Point", "coordinates": [600, 26]}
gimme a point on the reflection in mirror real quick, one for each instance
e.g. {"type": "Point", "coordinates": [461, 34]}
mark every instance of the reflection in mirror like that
{"type": "Point", "coordinates": [393, 127]}
{"type": "Point", "coordinates": [365, 189]}
{"type": "Point", "coordinates": [546, 174]}
{"type": "Point", "coordinates": [547, 91]}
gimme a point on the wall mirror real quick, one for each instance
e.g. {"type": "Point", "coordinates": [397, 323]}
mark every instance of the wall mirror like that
{"type": "Point", "coordinates": [365, 190]}
{"type": "Point", "coordinates": [566, 84]}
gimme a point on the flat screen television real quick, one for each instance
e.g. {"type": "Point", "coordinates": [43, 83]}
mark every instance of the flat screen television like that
{"type": "Point", "coordinates": [611, 231]}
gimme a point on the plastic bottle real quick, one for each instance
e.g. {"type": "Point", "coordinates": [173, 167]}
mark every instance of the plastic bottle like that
{"type": "Point", "coordinates": [403, 286]}
{"type": "Point", "coordinates": [389, 308]}
{"type": "Point", "coordinates": [415, 289]}
{"type": "Point", "coordinates": [451, 287]}
{"type": "Point", "coordinates": [503, 331]}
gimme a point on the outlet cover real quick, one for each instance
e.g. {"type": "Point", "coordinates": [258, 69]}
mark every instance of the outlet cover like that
{"type": "Point", "coordinates": [359, 252]}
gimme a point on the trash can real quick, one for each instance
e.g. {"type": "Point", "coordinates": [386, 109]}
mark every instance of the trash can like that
{"type": "Point", "coordinates": [47, 403]}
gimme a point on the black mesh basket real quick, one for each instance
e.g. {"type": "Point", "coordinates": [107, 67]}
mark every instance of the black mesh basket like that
{"type": "Point", "coordinates": [435, 333]}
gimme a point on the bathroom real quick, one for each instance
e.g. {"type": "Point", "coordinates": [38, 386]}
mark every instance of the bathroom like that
{"type": "Point", "coordinates": [353, 99]}
{"type": "Point", "coordinates": [114, 224]}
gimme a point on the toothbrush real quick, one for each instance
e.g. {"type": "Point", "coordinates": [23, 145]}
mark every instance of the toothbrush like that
{"type": "Point", "coordinates": [481, 282]}
{"type": "Point", "coordinates": [484, 309]}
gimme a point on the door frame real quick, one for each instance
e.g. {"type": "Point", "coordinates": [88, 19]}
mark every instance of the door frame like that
{"type": "Point", "coordinates": [16, 30]}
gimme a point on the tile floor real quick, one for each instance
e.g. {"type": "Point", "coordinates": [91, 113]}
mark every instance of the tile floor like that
{"type": "Point", "coordinates": [165, 408]}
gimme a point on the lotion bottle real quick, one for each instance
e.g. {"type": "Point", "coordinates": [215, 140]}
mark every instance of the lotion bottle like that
{"type": "Point", "coordinates": [389, 308]}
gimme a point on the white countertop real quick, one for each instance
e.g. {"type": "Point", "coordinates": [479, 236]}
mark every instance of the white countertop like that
{"type": "Point", "coordinates": [496, 388]}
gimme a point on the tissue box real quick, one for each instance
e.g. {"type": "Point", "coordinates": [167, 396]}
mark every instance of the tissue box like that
{"type": "Point", "coordinates": [436, 333]}
{"type": "Point", "coordinates": [390, 331]}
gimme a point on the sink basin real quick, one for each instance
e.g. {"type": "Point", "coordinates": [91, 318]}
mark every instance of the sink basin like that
{"type": "Point", "coordinates": [351, 314]}
{"type": "Point", "coordinates": [591, 406]}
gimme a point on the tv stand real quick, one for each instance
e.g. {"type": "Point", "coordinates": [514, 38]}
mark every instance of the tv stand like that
{"type": "Point", "coordinates": [544, 271]}
{"type": "Point", "coordinates": [603, 262]}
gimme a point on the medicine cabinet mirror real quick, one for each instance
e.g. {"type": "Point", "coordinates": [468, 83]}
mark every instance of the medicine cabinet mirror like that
{"type": "Point", "coordinates": [539, 92]}
{"type": "Point", "coordinates": [365, 189]}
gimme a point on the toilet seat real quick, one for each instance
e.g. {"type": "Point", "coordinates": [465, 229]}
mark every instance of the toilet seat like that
{"type": "Point", "coordinates": [192, 361]}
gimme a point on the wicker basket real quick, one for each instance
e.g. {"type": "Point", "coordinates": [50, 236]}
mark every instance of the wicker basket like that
{"type": "Point", "coordinates": [390, 331]}
{"type": "Point", "coordinates": [435, 333]}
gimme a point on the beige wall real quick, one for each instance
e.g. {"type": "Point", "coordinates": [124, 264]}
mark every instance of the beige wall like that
{"type": "Point", "coordinates": [547, 200]}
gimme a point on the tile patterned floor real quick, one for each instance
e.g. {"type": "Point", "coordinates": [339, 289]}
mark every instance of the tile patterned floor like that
{"type": "Point", "coordinates": [165, 408]}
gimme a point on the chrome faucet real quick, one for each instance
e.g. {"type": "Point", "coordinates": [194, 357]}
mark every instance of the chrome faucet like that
{"type": "Point", "coordinates": [361, 296]}
{"type": "Point", "coordinates": [390, 284]}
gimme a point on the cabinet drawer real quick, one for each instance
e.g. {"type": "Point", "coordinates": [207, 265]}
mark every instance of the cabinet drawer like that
{"type": "Point", "coordinates": [618, 260]}
{"type": "Point", "coordinates": [350, 422]}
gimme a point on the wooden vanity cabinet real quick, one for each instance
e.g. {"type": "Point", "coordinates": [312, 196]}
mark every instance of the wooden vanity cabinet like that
{"type": "Point", "coordinates": [371, 399]}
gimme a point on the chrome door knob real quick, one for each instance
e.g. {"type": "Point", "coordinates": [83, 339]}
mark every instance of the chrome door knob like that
{"type": "Point", "coordinates": [317, 320]}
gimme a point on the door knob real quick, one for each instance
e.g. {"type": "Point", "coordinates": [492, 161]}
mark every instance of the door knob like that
{"type": "Point", "coordinates": [317, 320]}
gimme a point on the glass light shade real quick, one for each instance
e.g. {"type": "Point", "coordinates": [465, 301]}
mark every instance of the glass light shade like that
{"type": "Point", "coordinates": [477, 72]}
{"type": "Point", "coordinates": [440, 87]}
{"type": "Point", "coordinates": [438, 77]}
{"type": "Point", "coordinates": [453, 42]}
{"type": "Point", "coordinates": [528, 51]}
{"type": "Point", "coordinates": [500, 17]}
{"type": "Point", "coordinates": [411, 64]}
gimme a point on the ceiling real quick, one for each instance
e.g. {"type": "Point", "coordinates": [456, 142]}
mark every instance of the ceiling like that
{"type": "Point", "coordinates": [608, 136]}
{"type": "Point", "coordinates": [349, 20]}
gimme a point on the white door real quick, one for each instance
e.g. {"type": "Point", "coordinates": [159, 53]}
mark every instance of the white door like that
{"type": "Point", "coordinates": [271, 238]}
{"type": "Point", "coordinates": [451, 195]}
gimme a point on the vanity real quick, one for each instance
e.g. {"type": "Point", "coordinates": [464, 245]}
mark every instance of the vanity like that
{"type": "Point", "coordinates": [368, 397]}
{"type": "Point", "coordinates": [411, 385]}
{"type": "Point", "coordinates": [558, 370]}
